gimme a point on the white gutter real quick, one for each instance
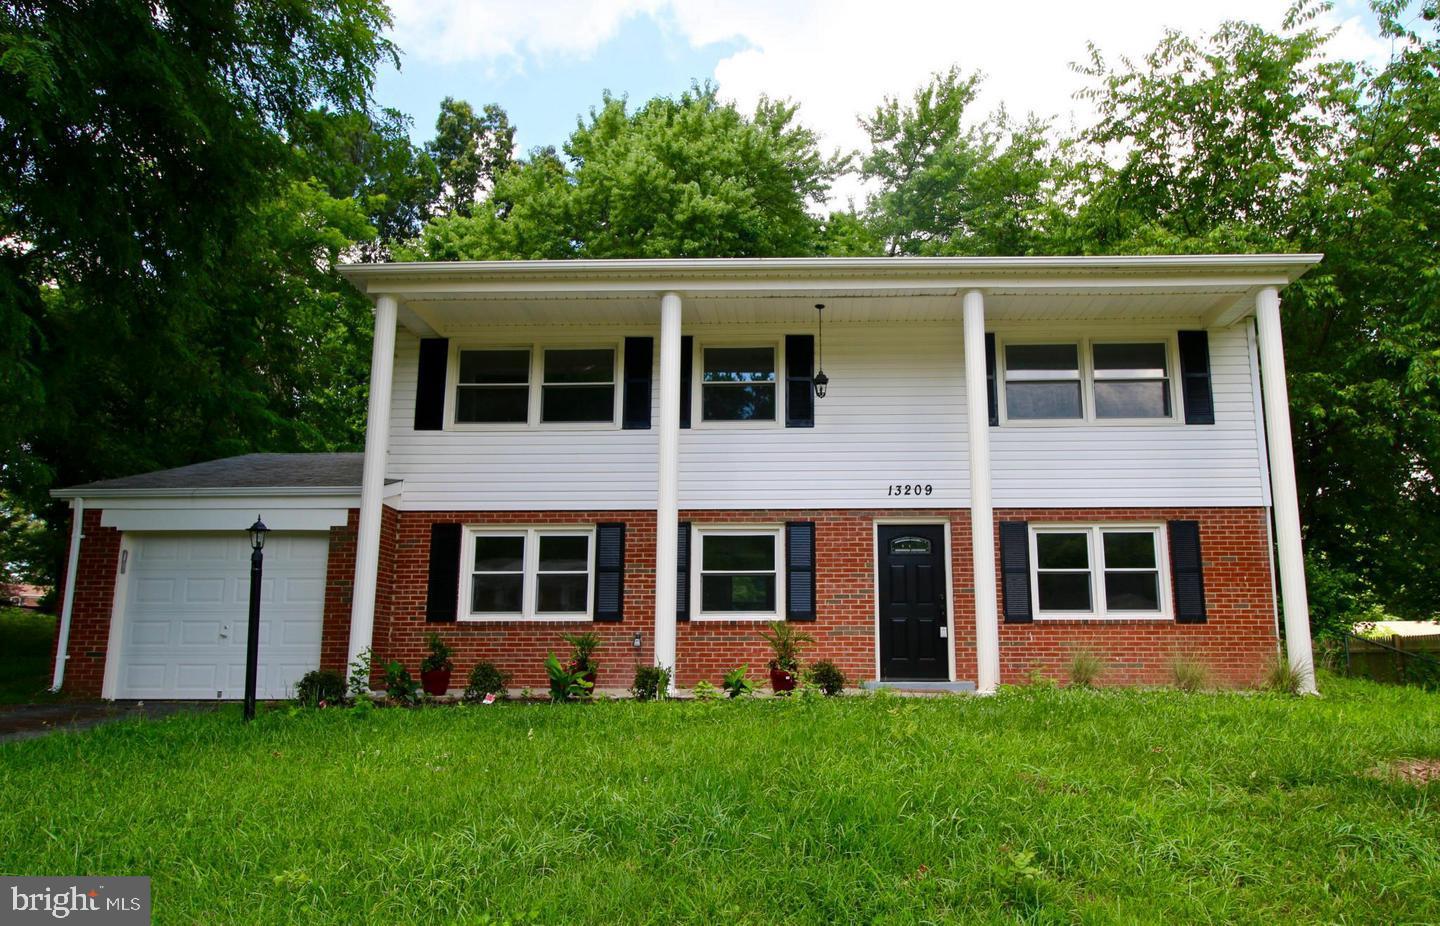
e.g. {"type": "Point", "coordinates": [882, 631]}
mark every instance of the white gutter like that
{"type": "Point", "coordinates": [62, 644]}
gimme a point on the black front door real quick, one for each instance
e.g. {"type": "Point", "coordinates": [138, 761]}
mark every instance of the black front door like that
{"type": "Point", "coordinates": [911, 560]}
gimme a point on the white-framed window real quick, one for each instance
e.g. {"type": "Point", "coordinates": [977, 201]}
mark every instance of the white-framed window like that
{"type": "Point", "coordinates": [565, 385]}
{"type": "Point", "coordinates": [578, 384]}
{"type": "Point", "coordinates": [1115, 570]}
{"type": "Point", "coordinates": [739, 382]}
{"type": "Point", "coordinates": [737, 573]}
{"type": "Point", "coordinates": [1097, 379]}
{"type": "Point", "coordinates": [493, 386]}
{"type": "Point", "coordinates": [541, 573]}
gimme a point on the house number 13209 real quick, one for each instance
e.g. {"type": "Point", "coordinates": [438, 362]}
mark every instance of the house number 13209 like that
{"type": "Point", "coordinates": [913, 488]}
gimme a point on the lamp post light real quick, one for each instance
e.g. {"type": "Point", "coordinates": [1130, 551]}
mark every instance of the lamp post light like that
{"type": "Point", "coordinates": [258, 530]}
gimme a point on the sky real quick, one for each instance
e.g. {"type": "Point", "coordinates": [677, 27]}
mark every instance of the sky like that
{"type": "Point", "coordinates": [547, 62]}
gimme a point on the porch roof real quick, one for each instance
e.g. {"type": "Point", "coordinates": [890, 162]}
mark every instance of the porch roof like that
{"type": "Point", "coordinates": [453, 296]}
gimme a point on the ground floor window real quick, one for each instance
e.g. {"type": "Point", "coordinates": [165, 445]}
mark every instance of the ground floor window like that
{"type": "Point", "coordinates": [740, 572]}
{"type": "Point", "coordinates": [528, 573]}
{"type": "Point", "coordinates": [1098, 571]}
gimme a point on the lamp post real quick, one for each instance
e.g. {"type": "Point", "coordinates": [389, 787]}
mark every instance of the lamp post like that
{"type": "Point", "coordinates": [258, 530]}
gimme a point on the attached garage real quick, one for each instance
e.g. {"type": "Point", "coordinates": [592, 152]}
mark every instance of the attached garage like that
{"type": "Point", "coordinates": [183, 615]}
{"type": "Point", "coordinates": [157, 597]}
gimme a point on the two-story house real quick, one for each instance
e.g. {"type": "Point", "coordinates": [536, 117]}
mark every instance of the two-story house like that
{"type": "Point", "coordinates": [959, 471]}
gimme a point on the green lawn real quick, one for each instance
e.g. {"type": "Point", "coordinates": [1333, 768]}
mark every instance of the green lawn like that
{"type": "Point", "coordinates": [26, 640]}
{"type": "Point", "coordinates": [1038, 805]}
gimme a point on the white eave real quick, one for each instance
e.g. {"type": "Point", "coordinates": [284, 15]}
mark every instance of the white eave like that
{"type": "Point", "coordinates": [450, 297]}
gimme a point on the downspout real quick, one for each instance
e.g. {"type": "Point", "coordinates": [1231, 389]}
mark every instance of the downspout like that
{"type": "Point", "coordinates": [62, 643]}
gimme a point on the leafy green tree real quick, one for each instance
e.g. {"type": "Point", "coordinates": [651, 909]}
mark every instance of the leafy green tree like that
{"type": "Point", "coordinates": [684, 177]}
{"type": "Point", "coordinates": [141, 151]}
{"type": "Point", "coordinates": [471, 151]}
{"type": "Point", "coordinates": [370, 158]}
{"type": "Point", "coordinates": [948, 188]}
{"type": "Point", "coordinates": [1249, 140]}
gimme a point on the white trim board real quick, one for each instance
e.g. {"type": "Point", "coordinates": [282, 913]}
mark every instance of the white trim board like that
{"type": "Point", "coordinates": [222, 519]}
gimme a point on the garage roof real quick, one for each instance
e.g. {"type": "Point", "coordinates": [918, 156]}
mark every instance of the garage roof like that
{"type": "Point", "coordinates": [251, 473]}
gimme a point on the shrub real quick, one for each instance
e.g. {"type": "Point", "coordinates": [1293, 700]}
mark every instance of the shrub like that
{"type": "Point", "coordinates": [1085, 668]}
{"type": "Point", "coordinates": [320, 687]}
{"type": "Point", "coordinates": [582, 657]}
{"type": "Point", "coordinates": [439, 659]}
{"type": "Point", "coordinates": [359, 681]}
{"type": "Point", "coordinates": [737, 682]}
{"type": "Point", "coordinates": [566, 682]}
{"type": "Point", "coordinates": [486, 679]}
{"type": "Point", "coordinates": [827, 676]}
{"type": "Point", "coordinates": [704, 691]}
{"type": "Point", "coordinates": [399, 685]}
{"type": "Point", "coordinates": [1189, 673]}
{"type": "Point", "coordinates": [785, 645]}
{"type": "Point", "coordinates": [1280, 676]}
{"type": "Point", "coordinates": [652, 683]}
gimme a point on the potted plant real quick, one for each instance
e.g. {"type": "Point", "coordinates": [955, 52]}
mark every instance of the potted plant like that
{"type": "Point", "coordinates": [566, 684]}
{"type": "Point", "coordinates": [785, 643]}
{"type": "Point", "coordinates": [582, 658]}
{"type": "Point", "coordinates": [435, 668]}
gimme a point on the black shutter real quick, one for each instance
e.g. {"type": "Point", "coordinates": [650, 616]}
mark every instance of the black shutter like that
{"type": "Point", "coordinates": [430, 384]}
{"type": "Point", "coordinates": [442, 589]}
{"type": "Point", "coordinates": [639, 362]}
{"type": "Point", "coordinates": [991, 388]}
{"type": "Point", "coordinates": [1187, 573]}
{"type": "Point", "coordinates": [800, 380]}
{"type": "Point", "coordinates": [800, 571]}
{"type": "Point", "coordinates": [687, 373]}
{"type": "Point", "coordinates": [1195, 377]}
{"type": "Point", "coordinates": [682, 572]}
{"type": "Point", "coordinates": [1015, 571]}
{"type": "Point", "coordinates": [610, 571]}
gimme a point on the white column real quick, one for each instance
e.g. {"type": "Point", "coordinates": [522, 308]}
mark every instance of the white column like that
{"type": "Point", "coordinates": [372, 480]}
{"type": "Point", "coordinates": [667, 508]}
{"type": "Point", "coordinates": [67, 604]}
{"type": "Point", "coordinates": [982, 509]}
{"type": "Point", "coordinates": [1284, 495]}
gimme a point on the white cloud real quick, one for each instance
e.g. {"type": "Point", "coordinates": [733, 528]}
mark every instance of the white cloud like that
{"type": "Point", "coordinates": [838, 58]}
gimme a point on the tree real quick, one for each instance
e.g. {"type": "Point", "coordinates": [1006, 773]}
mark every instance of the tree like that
{"type": "Point", "coordinates": [683, 177]}
{"type": "Point", "coordinates": [141, 151]}
{"type": "Point", "coordinates": [1249, 140]}
{"type": "Point", "coordinates": [471, 151]}
{"type": "Point", "coordinates": [945, 188]}
{"type": "Point", "coordinates": [370, 158]}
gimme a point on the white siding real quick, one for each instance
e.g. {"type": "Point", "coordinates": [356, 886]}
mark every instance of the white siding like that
{"type": "Point", "coordinates": [894, 415]}
{"type": "Point", "coordinates": [1148, 465]}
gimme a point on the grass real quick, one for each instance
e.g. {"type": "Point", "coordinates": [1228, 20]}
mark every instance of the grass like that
{"type": "Point", "coordinates": [26, 641]}
{"type": "Point", "coordinates": [1039, 805]}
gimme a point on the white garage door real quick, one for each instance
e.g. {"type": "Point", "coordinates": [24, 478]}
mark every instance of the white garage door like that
{"type": "Point", "coordinates": [186, 609]}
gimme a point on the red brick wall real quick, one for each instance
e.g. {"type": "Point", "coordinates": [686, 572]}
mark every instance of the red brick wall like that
{"type": "Point", "coordinates": [339, 588]}
{"type": "Point", "coordinates": [518, 647]}
{"type": "Point", "coordinates": [90, 614]}
{"type": "Point", "coordinates": [1237, 640]}
{"type": "Point", "coordinates": [844, 631]}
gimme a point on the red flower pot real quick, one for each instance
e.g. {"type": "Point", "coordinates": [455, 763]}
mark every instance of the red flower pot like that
{"type": "Point", "coordinates": [780, 681]}
{"type": "Point", "coordinates": [435, 682]}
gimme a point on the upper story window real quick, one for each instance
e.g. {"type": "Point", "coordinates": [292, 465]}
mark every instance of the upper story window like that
{"type": "Point", "coordinates": [1097, 571]}
{"type": "Point", "coordinates": [494, 386]}
{"type": "Point", "coordinates": [1042, 381]}
{"type": "Point", "coordinates": [738, 384]}
{"type": "Point", "coordinates": [1091, 380]}
{"type": "Point", "coordinates": [579, 385]}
